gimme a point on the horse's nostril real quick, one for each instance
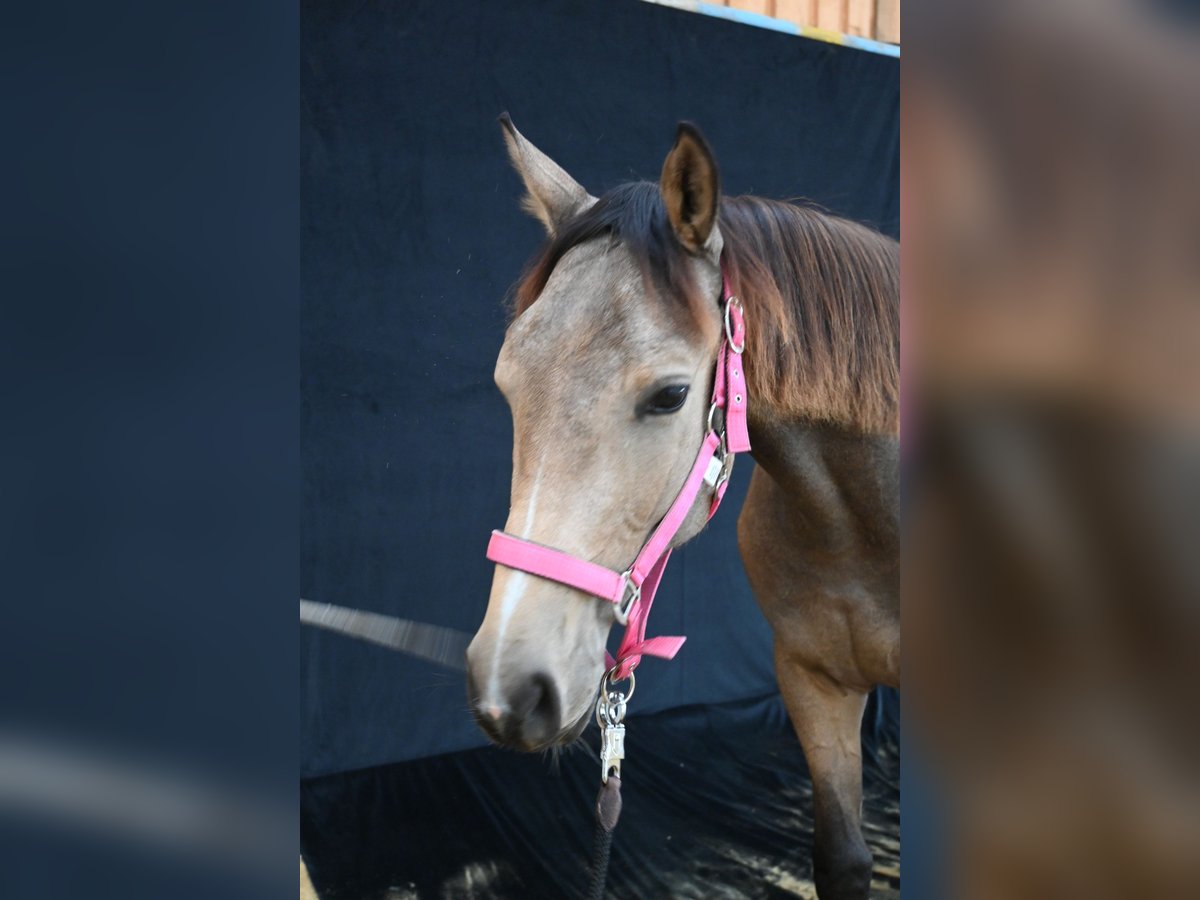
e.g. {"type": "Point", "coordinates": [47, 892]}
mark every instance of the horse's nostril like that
{"type": "Point", "coordinates": [535, 711]}
{"type": "Point", "coordinates": [527, 716]}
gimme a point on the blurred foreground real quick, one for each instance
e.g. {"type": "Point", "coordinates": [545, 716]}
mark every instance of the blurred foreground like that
{"type": "Point", "coordinates": [1052, 346]}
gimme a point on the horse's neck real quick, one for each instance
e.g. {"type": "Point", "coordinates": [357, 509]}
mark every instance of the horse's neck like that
{"type": "Point", "coordinates": [839, 484]}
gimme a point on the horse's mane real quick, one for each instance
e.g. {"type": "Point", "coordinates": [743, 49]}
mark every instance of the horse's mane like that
{"type": "Point", "coordinates": [821, 295]}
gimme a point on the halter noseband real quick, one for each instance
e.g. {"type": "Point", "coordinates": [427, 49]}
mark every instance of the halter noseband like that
{"type": "Point", "coordinates": [632, 592]}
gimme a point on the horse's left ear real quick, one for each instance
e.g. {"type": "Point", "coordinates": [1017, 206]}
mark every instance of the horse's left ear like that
{"type": "Point", "coordinates": [552, 196]}
{"type": "Point", "coordinates": [691, 188]}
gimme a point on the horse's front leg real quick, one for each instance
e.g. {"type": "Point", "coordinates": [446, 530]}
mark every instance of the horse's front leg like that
{"type": "Point", "coordinates": [827, 718]}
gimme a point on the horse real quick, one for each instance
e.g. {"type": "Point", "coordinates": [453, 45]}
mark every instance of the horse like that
{"type": "Point", "coordinates": [607, 366]}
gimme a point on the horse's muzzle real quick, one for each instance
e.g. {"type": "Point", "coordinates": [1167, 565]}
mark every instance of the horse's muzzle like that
{"type": "Point", "coordinates": [526, 717]}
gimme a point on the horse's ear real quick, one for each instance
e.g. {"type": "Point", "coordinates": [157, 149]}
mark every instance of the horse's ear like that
{"type": "Point", "coordinates": [552, 195]}
{"type": "Point", "coordinates": [691, 188]}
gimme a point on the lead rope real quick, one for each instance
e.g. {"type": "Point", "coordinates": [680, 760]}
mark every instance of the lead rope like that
{"type": "Point", "coordinates": [608, 810]}
{"type": "Point", "coordinates": [610, 716]}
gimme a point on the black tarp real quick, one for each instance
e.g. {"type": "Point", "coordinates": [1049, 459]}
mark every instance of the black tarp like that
{"type": "Point", "coordinates": [717, 804]}
{"type": "Point", "coordinates": [411, 236]}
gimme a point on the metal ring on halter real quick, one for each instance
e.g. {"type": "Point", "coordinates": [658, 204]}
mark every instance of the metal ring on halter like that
{"type": "Point", "coordinates": [712, 411]}
{"type": "Point", "coordinates": [606, 682]}
{"type": "Point", "coordinates": [611, 704]}
{"type": "Point", "coordinates": [629, 596]}
{"type": "Point", "coordinates": [733, 344]}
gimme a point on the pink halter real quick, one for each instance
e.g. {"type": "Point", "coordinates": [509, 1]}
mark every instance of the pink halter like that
{"type": "Point", "coordinates": [632, 591]}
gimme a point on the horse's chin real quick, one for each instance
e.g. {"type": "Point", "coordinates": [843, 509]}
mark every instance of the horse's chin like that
{"type": "Point", "coordinates": [571, 734]}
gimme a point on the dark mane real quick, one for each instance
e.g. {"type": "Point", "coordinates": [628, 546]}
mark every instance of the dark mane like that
{"type": "Point", "coordinates": [634, 214]}
{"type": "Point", "coordinates": [821, 295]}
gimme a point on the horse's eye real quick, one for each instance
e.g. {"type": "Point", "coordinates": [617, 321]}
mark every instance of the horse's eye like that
{"type": "Point", "coordinates": [668, 400]}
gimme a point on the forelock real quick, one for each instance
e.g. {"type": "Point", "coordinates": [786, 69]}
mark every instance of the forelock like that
{"type": "Point", "coordinates": [633, 215]}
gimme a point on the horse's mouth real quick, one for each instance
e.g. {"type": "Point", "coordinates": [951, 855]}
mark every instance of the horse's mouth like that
{"type": "Point", "coordinates": [571, 734]}
{"type": "Point", "coordinates": [511, 738]}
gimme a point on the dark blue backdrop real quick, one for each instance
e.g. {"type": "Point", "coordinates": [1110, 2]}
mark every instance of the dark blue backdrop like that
{"type": "Point", "coordinates": [411, 236]}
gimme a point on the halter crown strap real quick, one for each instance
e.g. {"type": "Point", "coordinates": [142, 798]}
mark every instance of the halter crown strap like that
{"type": "Point", "coordinates": [632, 591]}
{"type": "Point", "coordinates": [737, 435]}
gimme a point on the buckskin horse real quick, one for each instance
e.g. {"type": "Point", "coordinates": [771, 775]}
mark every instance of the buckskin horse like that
{"type": "Point", "coordinates": [608, 365]}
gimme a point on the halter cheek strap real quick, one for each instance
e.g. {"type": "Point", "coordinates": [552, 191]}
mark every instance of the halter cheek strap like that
{"type": "Point", "coordinates": [632, 592]}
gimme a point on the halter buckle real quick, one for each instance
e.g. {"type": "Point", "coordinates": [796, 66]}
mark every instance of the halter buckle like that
{"type": "Point", "coordinates": [712, 419]}
{"type": "Point", "coordinates": [733, 344]}
{"type": "Point", "coordinates": [630, 594]}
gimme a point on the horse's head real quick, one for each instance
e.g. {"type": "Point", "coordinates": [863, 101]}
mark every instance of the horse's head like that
{"type": "Point", "coordinates": [608, 375]}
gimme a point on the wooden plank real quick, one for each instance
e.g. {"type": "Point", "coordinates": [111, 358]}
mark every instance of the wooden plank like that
{"type": "Point", "coordinates": [798, 11]}
{"type": "Point", "coordinates": [831, 15]}
{"type": "Point", "coordinates": [828, 19]}
{"type": "Point", "coordinates": [860, 18]}
{"type": "Point", "coordinates": [306, 888]}
{"type": "Point", "coordinates": [887, 21]}
{"type": "Point", "coordinates": [754, 6]}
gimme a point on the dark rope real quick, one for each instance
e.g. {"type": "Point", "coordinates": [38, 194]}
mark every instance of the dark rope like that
{"type": "Point", "coordinates": [601, 850]}
{"type": "Point", "coordinates": [608, 810]}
